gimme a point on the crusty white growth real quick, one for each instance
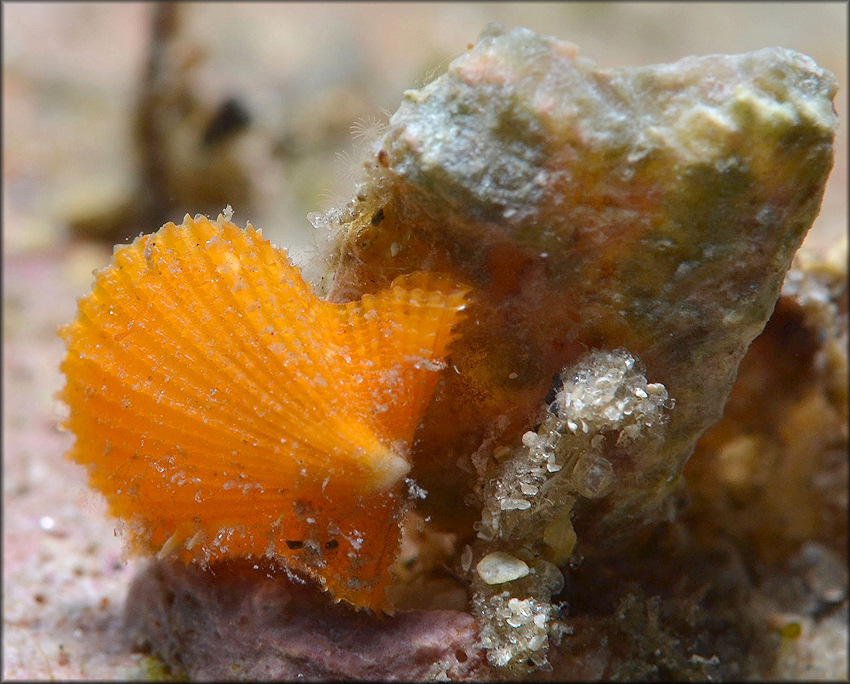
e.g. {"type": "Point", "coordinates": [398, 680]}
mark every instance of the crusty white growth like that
{"type": "Point", "coordinates": [603, 420]}
{"type": "Point", "coordinates": [606, 413]}
{"type": "Point", "coordinates": [516, 629]}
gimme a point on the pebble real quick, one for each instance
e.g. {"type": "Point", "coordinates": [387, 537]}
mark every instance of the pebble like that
{"type": "Point", "coordinates": [500, 567]}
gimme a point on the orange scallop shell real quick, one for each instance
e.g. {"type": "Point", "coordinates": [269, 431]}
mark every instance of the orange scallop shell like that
{"type": "Point", "coordinates": [224, 410]}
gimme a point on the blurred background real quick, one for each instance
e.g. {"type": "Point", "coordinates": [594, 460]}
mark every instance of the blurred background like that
{"type": "Point", "coordinates": [120, 116]}
{"type": "Point", "coordinates": [296, 78]}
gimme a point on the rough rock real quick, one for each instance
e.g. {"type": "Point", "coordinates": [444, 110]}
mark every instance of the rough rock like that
{"type": "Point", "coordinates": [607, 220]}
{"type": "Point", "coordinates": [224, 624]}
{"type": "Point", "coordinates": [654, 209]}
{"type": "Point", "coordinates": [773, 470]}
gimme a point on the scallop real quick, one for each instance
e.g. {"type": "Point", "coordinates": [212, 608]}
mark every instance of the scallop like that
{"type": "Point", "coordinates": [226, 411]}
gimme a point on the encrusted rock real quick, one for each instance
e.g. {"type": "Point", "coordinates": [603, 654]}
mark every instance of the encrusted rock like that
{"type": "Point", "coordinates": [225, 625]}
{"type": "Point", "coordinates": [516, 631]}
{"type": "Point", "coordinates": [639, 216]}
{"type": "Point", "coordinates": [602, 424]}
{"type": "Point", "coordinates": [654, 209]}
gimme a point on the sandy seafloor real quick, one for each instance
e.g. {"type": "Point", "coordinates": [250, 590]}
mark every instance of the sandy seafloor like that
{"type": "Point", "coordinates": [306, 71]}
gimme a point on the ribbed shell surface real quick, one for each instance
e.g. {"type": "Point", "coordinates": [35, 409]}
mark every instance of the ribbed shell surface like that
{"type": "Point", "coordinates": [224, 410]}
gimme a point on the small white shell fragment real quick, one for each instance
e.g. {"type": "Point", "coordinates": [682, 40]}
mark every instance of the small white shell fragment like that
{"type": "Point", "coordinates": [536, 642]}
{"type": "Point", "coordinates": [501, 656]}
{"type": "Point", "coordinates": [466, 558]}
{"type": "Point", "coordinates": [500, 567]}
{"type": "Point", "coordinates": [551, 466]}
{"type": "Point", "coordinates": [515, 504]}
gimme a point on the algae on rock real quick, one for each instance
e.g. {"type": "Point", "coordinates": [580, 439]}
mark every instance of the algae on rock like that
{"type": "Point", "coordinates": [654, 209]}
{"type": "Point", "coordinates": [602, 217]}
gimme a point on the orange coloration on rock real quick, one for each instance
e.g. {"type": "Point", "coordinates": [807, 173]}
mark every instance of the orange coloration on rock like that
{"type": "Point", "coordinates": [224, 410]}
